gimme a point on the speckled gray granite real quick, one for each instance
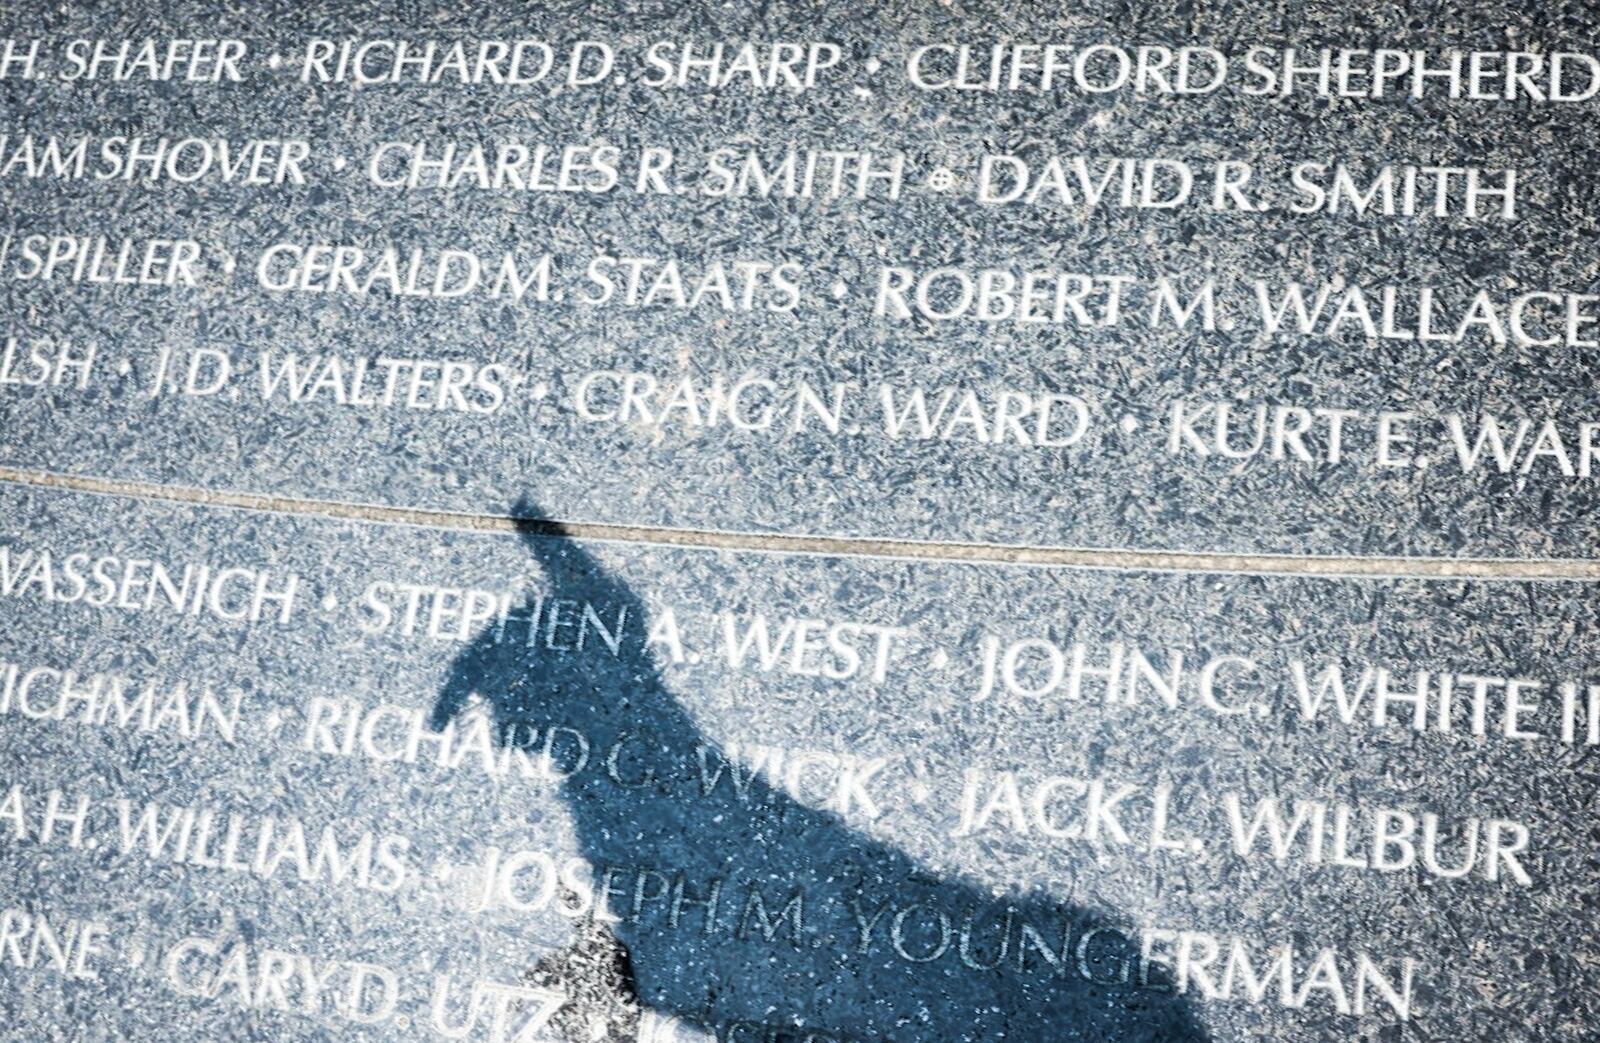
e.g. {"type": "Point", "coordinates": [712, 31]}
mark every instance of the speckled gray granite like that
{"type": "Point", "coordinates": [678, 461]}
{"type": "Point", "coordinates": [837, 833]}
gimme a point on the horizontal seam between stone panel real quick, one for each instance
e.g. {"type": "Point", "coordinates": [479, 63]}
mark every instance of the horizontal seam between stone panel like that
{"type": "Point", "coordinates": [1331, 566]}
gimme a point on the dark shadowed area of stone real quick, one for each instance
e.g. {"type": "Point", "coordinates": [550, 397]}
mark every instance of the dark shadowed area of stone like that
{"type": "Point", "coordinates": [1118, 487]}
{"type": "Point", "coordinates": [670, 724]}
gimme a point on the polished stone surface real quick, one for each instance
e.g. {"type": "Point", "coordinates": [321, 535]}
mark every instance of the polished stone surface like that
{"type": "Point", "coordinates": [1117, 486]}
{"type": "Point", "coordinates": [818, 789]}
{"type": "Point", "coordinates": [281, 776]}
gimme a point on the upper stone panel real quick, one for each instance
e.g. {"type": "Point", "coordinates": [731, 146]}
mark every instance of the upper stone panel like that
{"type": "Point", "coordinates": [1189, 277]}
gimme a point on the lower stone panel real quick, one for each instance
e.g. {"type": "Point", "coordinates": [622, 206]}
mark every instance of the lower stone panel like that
{"type": "Point", "coordinates": [307, 778]}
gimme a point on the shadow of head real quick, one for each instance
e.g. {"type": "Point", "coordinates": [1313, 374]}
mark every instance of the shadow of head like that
{"type": "Point", "coordinates": [743, 911]}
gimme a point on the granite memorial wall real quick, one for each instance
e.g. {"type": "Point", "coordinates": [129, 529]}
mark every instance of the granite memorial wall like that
{"type": "Point", "coordinates": [662, 522]}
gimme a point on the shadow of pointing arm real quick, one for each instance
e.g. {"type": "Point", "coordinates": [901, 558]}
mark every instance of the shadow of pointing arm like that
{"type": "Point", "coordinates": [489, 666]}
{"type": "Point", "coordinates": [766, 835]}
{"type": "Point", "coordinates": [572, 572]}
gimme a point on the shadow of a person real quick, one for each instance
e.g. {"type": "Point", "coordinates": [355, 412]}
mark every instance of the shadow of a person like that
{"type": "Point", "coordinates": [751, 916]}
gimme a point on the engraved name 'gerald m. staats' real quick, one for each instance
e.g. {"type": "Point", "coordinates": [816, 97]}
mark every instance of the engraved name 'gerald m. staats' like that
{"type": "Point", "coordinates": [723, 909]}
